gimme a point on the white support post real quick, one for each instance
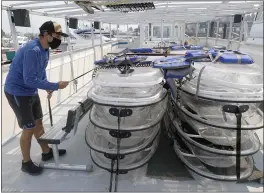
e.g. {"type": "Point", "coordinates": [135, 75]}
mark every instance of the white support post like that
{"type": "Point", "coordinates": [172, 36]}
{"type": "Point", "coordinates": [174, 31]}
{"type": "Point", "coordinates": [180, 33]}
{"type": "Point", "coordinates": [196, 32]}
{"type": "Point", "coordinates": [92, 34]}
{"type": "Point", "coordinates": [183, 32]}
{"type": "Point", "coordinates": [207, 33]}
{"type": "Point", "coordinates": [141, 34]}
{"type": "Point", "coordinates": [245, 30]}
{"type": "Point", "coordinates": [70, 53]}
{"type": "Point", "coordinates": [241, 33]}
{"type": "Point", "coordinates": [151, 32]}
{"type": "Point", "coordinates": [230, 33]}
{"type": "Point", "coordinates": [217, 30]}
{"type": "Point", "coordinates": [161, 30]}
{"type": "Point", "coordinates": [110, 32]}
{"type": "Point", "coordinates": [60, 79]}
{"type": "Point", "coordinates": [196, 29]}
{"type": "Point", "coordinates": [101, 40]}
{"type": "Point", "coordinates": [117, 33]}
{"type": "Point", "coordinates": [13, 29]}
{"type": "Point", "coordinates": [127, 31]}
{"type": "Point", "coordinates": [85, 57]}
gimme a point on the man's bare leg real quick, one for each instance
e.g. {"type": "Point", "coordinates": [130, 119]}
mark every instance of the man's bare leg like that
{"type": "Point", "coordinates": [38, 132]}
{"type": "Point", "coordinates": [25, 144]}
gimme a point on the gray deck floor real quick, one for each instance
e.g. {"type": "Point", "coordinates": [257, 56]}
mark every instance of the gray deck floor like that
{"type": "Point", "coordinates": [13, 179]}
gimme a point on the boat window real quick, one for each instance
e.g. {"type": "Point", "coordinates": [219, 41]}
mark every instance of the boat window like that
{"type": "Point", "coordinates": [156, 32]}
{"type": "Point", "coordinates": [166, 31]}
{"type": "Point", "coordinates": [146, 32]}
{"type": "Point", "coordinates": [190, 29]}
{"type": "Point", "coordinates": [202, 29]}
{"type": "Point", "coordinates": [108, 35]}
{"type": "Point", "coordinates": [176, 31]}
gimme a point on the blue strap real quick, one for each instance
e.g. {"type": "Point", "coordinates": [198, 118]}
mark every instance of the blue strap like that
{"type": "Point", "coordinates": [141, 50]}
{"type": "Point", "coordinates": [132, 59]}
{"type": "Point", "coordinates": [177, 74]}
{"type": "Point", "coordinates": [176, 62]}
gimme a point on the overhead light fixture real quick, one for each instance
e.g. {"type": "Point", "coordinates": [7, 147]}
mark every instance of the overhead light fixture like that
{"type": "Point", "coordinates": [237, 2]}
{"type": "Point", "coordinates": [197, 8]}
{"type": "Point", "coordinates": [195, 2]}
{"type": "Point", "coordinates": [254, 1]}
{"type": "Point", "coordinates": [170, 6]}
{"type": "Point", "coordinates": [160, 7]}
{"type": "Point", "coordinates": [256, 5]}
{"type": "Point", "coordinates": [160, 4]}
{"type": "Point", "coordinates": [88, 6]}
{"type": "Point", "coordinates": [131, 7]}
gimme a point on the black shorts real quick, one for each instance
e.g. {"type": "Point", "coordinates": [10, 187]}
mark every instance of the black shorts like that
{"type": "Point", "coordinates": [26, 108]}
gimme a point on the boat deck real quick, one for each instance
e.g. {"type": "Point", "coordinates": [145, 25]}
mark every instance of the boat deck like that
{"type": "Point", "coordinates": [13, 179]}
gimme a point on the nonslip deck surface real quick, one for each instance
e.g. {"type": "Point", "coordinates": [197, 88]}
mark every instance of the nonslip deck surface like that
{"type": "Point", "coordinates": [77, 152]}
{"type": "Point", "coordinates": [165, 164]}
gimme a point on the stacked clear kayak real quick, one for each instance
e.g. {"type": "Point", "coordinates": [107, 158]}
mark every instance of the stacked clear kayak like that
{"type": "Point", "coordinates": [124, 122]}
{"type": "Point", "coordinates": [214, 114]}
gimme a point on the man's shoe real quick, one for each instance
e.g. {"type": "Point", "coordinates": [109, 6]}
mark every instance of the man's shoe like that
{"type": "Point", "coordinates": [49, 156]}
{"type": "Point", "coordinates": [30, 168]}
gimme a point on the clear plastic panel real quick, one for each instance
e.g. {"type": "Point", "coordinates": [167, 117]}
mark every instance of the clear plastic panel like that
{"type": "Point", "coordinates": [140, 77]}
{"type": "Point", "coordinates": [204, 153]}
{"type": "Point", "coordinates": [215, 173]}
{"type": "Point", "coordinates": [127, 96]}
{"type": "Point", "coordinates": [221, 161]}
{"type": "Point", "coordinates": [225, 81]}
{"type": "Point", "coordinates": [129, 162]}
{"type": "Point", "coordinates": [100, 140]}
{"type": "Point", "coordinates": [212, 111]}
{"type": "Point", "coordinates": [141, 118]}
{"type": "Point", "coordinates": [216, 135]}
{"type": "Point", "coordinates": [141, 87]}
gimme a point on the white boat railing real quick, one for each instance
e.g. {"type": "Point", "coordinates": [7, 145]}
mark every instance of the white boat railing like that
{"type": "Point", "coordinates": [59, 68]}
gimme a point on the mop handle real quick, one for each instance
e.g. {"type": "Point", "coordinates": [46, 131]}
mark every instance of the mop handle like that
{"type": "Point", "coordinates": [50, 114]}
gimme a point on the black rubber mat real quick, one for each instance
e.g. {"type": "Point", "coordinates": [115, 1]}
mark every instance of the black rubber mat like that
{"type": "Point", "coordinates": [165, 164]}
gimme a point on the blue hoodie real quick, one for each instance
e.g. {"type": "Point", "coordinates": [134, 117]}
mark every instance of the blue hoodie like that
{"type": "Point", "coordinates": [27, 71]}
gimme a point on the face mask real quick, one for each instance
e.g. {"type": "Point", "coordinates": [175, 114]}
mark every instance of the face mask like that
{"type": "Point", "coordinates": [55, 43]}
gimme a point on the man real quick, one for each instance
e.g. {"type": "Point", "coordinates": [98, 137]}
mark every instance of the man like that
{"type": "Point", "coordinates": [26, 75]}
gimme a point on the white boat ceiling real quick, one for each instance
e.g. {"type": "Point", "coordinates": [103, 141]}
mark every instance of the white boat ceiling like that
{"type": "Point", "coordinates": [179, 11]}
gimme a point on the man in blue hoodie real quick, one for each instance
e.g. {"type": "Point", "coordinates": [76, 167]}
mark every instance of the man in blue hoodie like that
{"type": "Point", "coordinates": [26, 75]}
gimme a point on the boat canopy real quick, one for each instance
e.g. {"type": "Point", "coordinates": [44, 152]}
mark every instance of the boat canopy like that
{"type": "Point", "coordinates": [135, 12]}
